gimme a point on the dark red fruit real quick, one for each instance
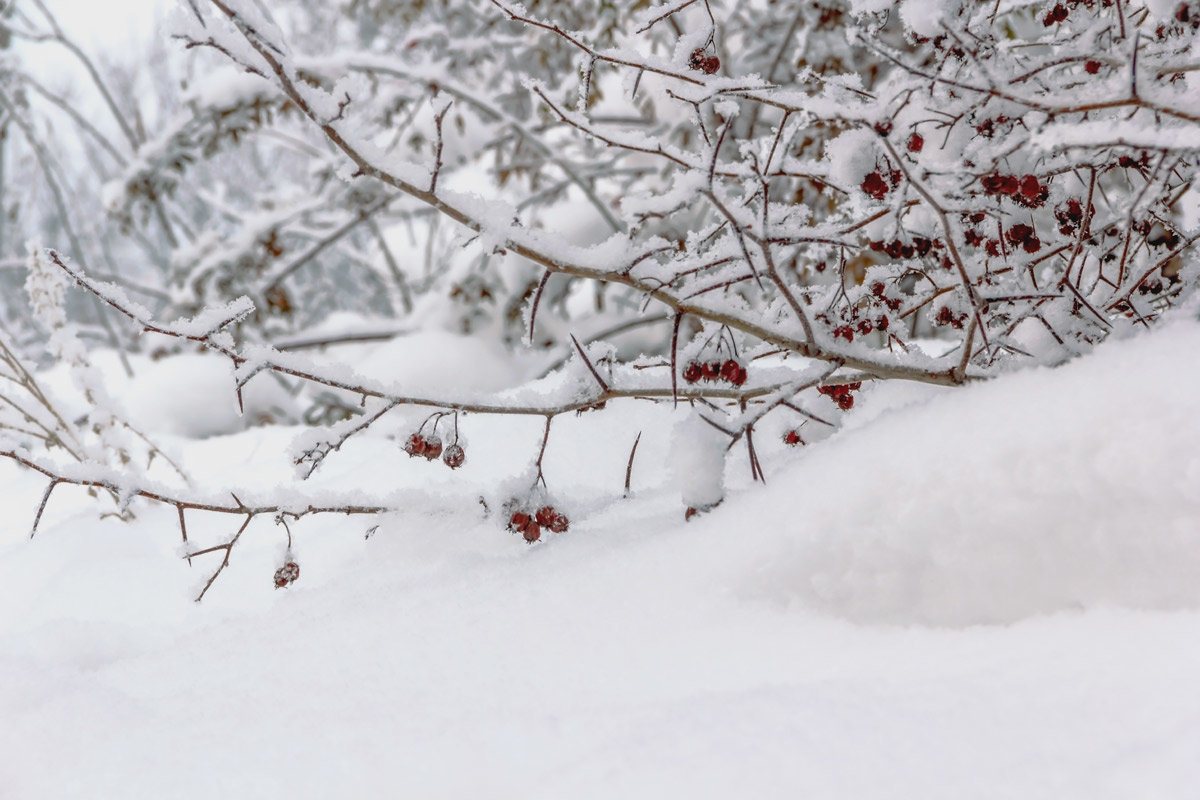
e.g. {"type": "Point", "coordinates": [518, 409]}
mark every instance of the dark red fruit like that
{"type": "Point", "coordinates": [415, 446]}
{"type": "Point", "coordinates": [729, 370]}
{"type": "Point", "coordinates": [1056, 14]}
{"type": "Point", "coordinates": [286, 575]}
{"type": "Point", "coordinates": [875, 186]}
{"type": "Point", "coordinates": [454, 456]}
{"type": "Point", "coordinates": [1092, 67]}
{"type": "Point", "coordinates": [559, 524]}
{"type": "Point", "coordinates": [711, 370]}
{"type": "Point", "coordinates": [433, 448]}
{"type": "Point", "coordinates": [701, 61]}
{"type": "Point", "coordinates": [792, 438]}
{"type": "Point", "coordinates": [545, 516]}
{"type": "Point", "coordinates": [692, 372]}
{"type": "Point", "coordinates": [518, 521]}
{"type": "Point", "coordinates": [1018, 233]}
{"type": "Point", "coordinates": [915, 143]}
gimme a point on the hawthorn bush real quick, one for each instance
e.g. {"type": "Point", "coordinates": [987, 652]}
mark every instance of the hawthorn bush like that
{"type": "Point", "coordinates": [786, 201]}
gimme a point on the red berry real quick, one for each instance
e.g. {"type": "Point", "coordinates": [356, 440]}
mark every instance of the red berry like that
{"type": "Point", "coordinates": [415, 446]}
{"type": "Point", "coordinates": [915, 143]}
{"type": "Point", "coordinates": [711, 370]}
{"type": "Point", "coordinates": [1018, 233]}
{"type": "Point", "coordinates": [287, 574]}
{"type": "Point", "coordinates": [559, 524]}
{"type": "Point", "coordinates": [1030, 188]}
{"type": "Point", "coordinates": [544, 516]}
{"type": "Point", "coordinates": [518, 521]}
{"type": "Point", "coordinates": [703, 62]}
{"type": "Point", "coordinates": [531, 532]}
{"type": "Point", "coordinates": [1092, 67]}
{"type": "Point", "coordinates": [792, 438]}
{"type": "Point", "coordinates": [729, 370]}
{"type": "Point", "coordinates": [433, 448]}
{"type": "Point", "coordinates": [692, 372]}
{"type": "Point", "coordinates": [875, 186]}
{"type": "Point", "coordinates": [454, 456]}
{"type": "Point", "coordinates": [845, 402]}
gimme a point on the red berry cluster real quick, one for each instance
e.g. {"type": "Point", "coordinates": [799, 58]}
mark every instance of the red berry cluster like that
{"type": "Point", "coordinates": [1069, 216]}
{"type": "Point", "coordinates": [1024, 236]}
{"type": "Point", "coordinates": [840, 394]}
{"type": "Point", "coordinates": [701, 61]}
{"type": "Point", "coordinates": [431, 447]}
{"type": "Point", "coordinates": [1141, 162]}
{"type": "Point", "coordinates": [893, 303]}
{"type": "Point", "coordinates": [1027, 191]}
{"type": "Point", "coordinates": [792, 437]}
{"type": "Point", "coordinates": [729, 371]}
{"type": "Point", "coordinates": [1055, 15]}
{"type": "Point", "coordinates": [988, 128]}
{"type": "Point", "coordinates": [919, 247]}
{"type": "Point", "coordinates": [530, 525]}
{"type": "Point", "coordinates": [877, 184]}
{"type": "Point", "coordinates": [947, 317]}
{"type": "Point", "coordinates": [286, 575]}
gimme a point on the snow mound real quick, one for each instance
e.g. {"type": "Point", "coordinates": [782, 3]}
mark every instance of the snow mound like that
{"type": "Point", "coordinates": [194, 395]}
{"type": "Point", "coordinates": [1045, 491]}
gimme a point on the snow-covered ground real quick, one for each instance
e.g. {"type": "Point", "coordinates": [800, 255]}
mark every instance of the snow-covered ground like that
{"type": "Point", "coordinates": [990, 592]}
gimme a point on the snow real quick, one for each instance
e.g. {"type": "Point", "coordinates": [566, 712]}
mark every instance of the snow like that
{"type": "Point", "coordinates": [986, 592]}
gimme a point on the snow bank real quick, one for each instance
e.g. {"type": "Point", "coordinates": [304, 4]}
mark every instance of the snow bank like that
{"type": "Point", "coordinates": [738, 655]}
{"type": "Point", "coordinates": [1046, 491]}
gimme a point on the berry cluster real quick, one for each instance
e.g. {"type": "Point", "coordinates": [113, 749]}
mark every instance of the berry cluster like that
{"type": "Point", "coordinates": [988, 128]}
{"type": "Point", "coordinates": [840, 394]}
{"type": "Point", "coordinates": [430, 447]}
{"type": "Point", "coordinates": [729, 371]}
{"type": "Point", "coordinates": [1023, 236]}
{"type": "Point", "coordinates": [919, 247]}
{"type": "Point", "coordinates": [702, 61]}
{"type": "Point", "coordinates": [1069, 216]}
{"type": "Point", "coordinates": [1128, 162]}
{"type": "Point", "coordinates": [946, 316]}
{"type": "Point", "coordinates": [530, 525]}
{"type": "Point", "coordinates": [286, 575]}
{"type": "Point", "coordinates": [1027, 190]}
{"type": "Point", "coordinates": [877, 184]}
{"type": "Point", "coordinates": [893, 303]}
{"type": "Point", "coordinates": [1055, 15]}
